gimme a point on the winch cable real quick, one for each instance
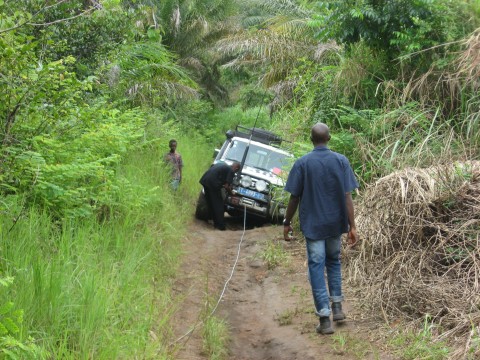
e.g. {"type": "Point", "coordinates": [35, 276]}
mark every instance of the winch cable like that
{"type": "Point", "coordinates": [244, 158]}
{"type": "Point", "coordinates": [235, 262]}
{"type": "Point", "coordinates": [189, 332]}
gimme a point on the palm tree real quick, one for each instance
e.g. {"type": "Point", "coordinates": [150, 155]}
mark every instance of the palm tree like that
{"type": "Point", "coordinates": [147, 73]}
{"type": "Point", "coordinates": [188, 28]}
{"type": "Point", "coordinates": [275, 37]}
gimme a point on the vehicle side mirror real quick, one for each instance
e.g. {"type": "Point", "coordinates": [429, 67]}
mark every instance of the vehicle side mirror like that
{"type": "Point", "coordinates": [215, 153]}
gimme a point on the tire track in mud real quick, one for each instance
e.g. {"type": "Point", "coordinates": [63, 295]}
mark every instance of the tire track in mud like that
{"type": "Point", "coordinates": [269, 312]}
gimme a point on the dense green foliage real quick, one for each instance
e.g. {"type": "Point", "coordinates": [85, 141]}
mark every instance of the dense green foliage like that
{"type": "Point", "coordinates": [395, 26]}
{"type": "Point", "coordinates": [91, 91]}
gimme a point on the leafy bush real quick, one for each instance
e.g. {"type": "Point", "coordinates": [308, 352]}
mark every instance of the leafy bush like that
{"type": "Point", "coordinates": [11, 319]}
{"type": "Point", "coordinates": [251, 96]}
{"type": "Point", "coordinates": [77, 179]}
{"type": "Point", "coordinates": [193, 115]}
{"type": "Point", "coordinates": [88, 38]}
{"type": "Point", "coordinates": [56, 147]}
{"type": "Point", "coordinates": [395, 26]}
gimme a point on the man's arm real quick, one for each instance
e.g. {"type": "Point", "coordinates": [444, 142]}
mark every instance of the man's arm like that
{"type": "Point", "coordinates": [352, 237]}
{"type": "Point", "coordinates": [228, 187]}
{"type": "Point", "coordinates": [291, 209]}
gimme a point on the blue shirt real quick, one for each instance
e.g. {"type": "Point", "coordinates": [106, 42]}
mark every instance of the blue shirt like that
{"type": "Point", "coordinates": [321, 178]}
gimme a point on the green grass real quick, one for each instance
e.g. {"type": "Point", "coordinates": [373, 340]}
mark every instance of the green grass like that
{"type": "Point", "coordinates": [344, 343]}
{"type": "Point", "coordinates": [412, 345]}
{"type": "Point", "coordinates": [474, 346]}
{"type": "Point", "coordinates": [302, 292]}
{"type": "Point", "coordinates": [286, 317]}
{"type": "Point", "coordinates": [215, 336]}
{"type": "Point", "coordinates": [274, 254]}
{"type": "Point", "coordinates": [102, 289]}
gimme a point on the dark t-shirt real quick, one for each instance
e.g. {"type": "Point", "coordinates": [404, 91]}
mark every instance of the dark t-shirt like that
{"type": "Point", "coordinates": [321, 178]}
{"type": "Point", "coordinates": [218, 175]}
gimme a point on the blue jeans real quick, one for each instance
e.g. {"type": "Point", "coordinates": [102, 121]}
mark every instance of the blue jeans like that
{"type": "Point", "coordinates": [175, 183]}
{"type": "Point", "coordinates": [323, 254]}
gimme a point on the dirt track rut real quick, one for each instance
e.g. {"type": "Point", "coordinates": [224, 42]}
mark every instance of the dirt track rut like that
{"type": "Point", "coordinates": [269, 311]}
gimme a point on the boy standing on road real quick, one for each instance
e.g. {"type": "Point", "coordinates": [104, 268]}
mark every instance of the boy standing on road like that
{"type": "Point", "coordinates": [174, 159]}
{"type": "Point", "coordinates": [321, 182]}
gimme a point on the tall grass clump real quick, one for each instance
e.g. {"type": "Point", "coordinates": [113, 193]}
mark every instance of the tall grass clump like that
{"type": "Point", "coordinates": [383, 123]}
{"type": "Point", "coordinates": [274, 255]}
{"type": "Point", "coordinates": [419, 257]}
{"type": "Point", "coordinates": [215, 331]}
{"type": "Point", "coordinates": [13, 344]}
{"type": "Point", "coordinates": [411, 346]}
{"type": "Point", "coordinates": [377, 142]}
{"type": "Point", "coordinates": [99, 287]}
{"type": "Point", "coordinates": [215, 338]}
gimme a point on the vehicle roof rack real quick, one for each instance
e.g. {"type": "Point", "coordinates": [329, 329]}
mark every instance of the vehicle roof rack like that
{"type": "Point", "coordinates": [256, 134]}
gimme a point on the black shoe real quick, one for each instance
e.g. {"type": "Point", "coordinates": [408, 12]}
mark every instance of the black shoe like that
{"type": "Point", "coordinates": [221, 227]}
{"type": "Point", "coordinates": [337, 312]}
{"type": "Point", "coordinates": [325, 326]}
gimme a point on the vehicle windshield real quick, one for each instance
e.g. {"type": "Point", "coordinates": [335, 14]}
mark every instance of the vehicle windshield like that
{"type": "Point", "coordinates": [258, 157]}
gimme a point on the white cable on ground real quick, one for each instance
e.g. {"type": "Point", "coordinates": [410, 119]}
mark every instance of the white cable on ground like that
{"type": "Point", "coordinates": [226, 282]}
{"type": "Point", "coordinates": [236, 261]}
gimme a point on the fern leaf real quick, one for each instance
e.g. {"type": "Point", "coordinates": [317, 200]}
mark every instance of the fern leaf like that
{"type": "Point", "coordinates": [6, 308]}
{"type": "Point", "coordinates": [3, 330]}
{"type": "Point", "coordinates": [6, 281]}
{"type": "Point", "coordinates": [11, 326]}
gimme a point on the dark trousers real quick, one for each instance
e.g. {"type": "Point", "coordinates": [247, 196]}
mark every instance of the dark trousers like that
{"type": "Point", "coordinates": [215, 204]}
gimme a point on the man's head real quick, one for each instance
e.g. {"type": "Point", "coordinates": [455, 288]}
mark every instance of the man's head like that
{"type": "Point", "coordinates": [172, 144]}
{"type": "Point", "coordinates": [235, 166]}
{"type": "Point", "coordinates": [320, 134]}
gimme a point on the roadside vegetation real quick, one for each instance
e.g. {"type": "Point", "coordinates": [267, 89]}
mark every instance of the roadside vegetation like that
{"type": "Point", "coordinates": [92, 91]}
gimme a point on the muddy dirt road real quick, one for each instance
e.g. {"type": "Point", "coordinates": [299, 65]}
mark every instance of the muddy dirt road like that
{"type": "Point", "coordinates": [269, 311]}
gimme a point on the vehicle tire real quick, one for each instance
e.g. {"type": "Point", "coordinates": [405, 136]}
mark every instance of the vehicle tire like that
{"type": "Point", "coordinates": [234, 212]}
{"type": "Point", "coordinates": [276, 220]}
{"type": "Point", "coordinates": [274, 216]}
{"type": "Point", "coordinates": [202, 212]}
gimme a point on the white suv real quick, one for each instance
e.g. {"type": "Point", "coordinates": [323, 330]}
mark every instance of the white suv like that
{"type": "Point", "coordinates": [258, 186]}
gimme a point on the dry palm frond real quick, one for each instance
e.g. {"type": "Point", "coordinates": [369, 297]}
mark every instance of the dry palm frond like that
{"type": "Point", "coordinates": [293, 28]}
{"type": "Point", "coordinates": [274, 51]}
{"type": "Point", "coordinates": [469, 60]}
{"type": "Point", "coordinates": [193, 64]}
{"type": "Point", "coordinates": [265, 45]}
{"type": "Point", "coordinates": [286, 7]}
{"type": "Point", "coordinates": [434, 85]}
{"type": "Point", "coordinates": [421, 250]}
{"type": "Point", "coordinates": [284, 92]}
{"type": "Point", "coordinates": [176, 20]}
{"type": "Point", "coordinates": [323, 49]}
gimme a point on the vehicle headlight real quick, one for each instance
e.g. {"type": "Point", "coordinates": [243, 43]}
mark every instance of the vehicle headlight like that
{"type": "Point", "coordinates": [261, 185]}
{"type": "Point", "coordinates": [246, 181]}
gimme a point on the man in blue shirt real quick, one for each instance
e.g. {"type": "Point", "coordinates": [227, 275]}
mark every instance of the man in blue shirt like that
{"type": "Point", "coordinates": [321, 182]}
